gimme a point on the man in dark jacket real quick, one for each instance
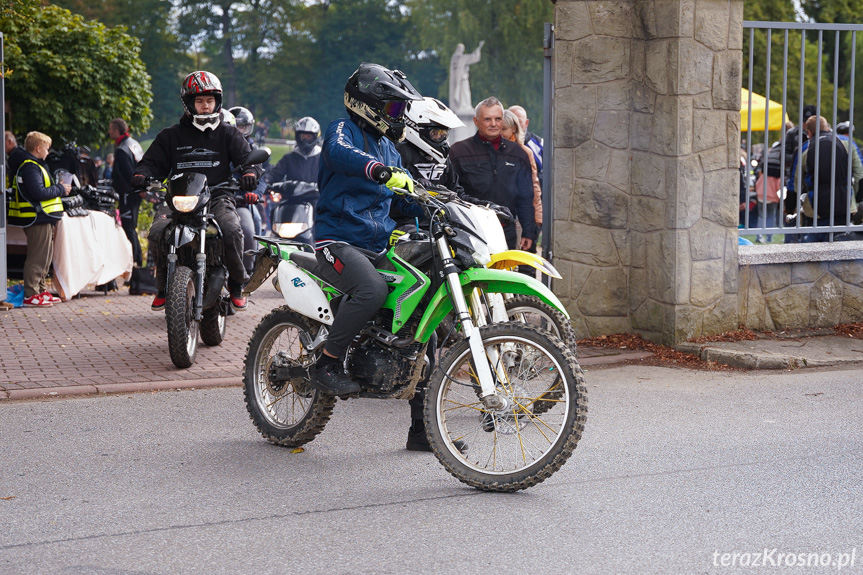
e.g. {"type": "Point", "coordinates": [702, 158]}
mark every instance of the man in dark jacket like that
{"type": "Point", "coordinates": [35, 205]}
{"type": "Point", "coordinates": [126, 156]}
{"type": "Point", "coordinates": [829, 187]}
{"type": "Point", "coordinates": [15, 154]}
{"type": "Point", "coordinates": [492, 168]}
{"type": "Point", "coordinates": [303, 162]}
{"type": "Point", "coordinates": [201, 143]}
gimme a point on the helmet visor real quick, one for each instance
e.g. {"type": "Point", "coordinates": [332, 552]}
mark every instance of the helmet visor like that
{"type": "Point", "coordinates": [395, 109]}
{"type": "Point", "coordinates": [438, 135]}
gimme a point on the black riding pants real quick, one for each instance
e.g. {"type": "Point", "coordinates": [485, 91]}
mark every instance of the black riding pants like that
{"type": "Point", "coordinates": [129, 206]}
{"type": "Point", "coordinates": [345, 268]}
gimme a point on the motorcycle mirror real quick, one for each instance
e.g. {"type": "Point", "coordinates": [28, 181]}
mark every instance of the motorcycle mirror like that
{"type": "Point", "coordinates": [258, 156]}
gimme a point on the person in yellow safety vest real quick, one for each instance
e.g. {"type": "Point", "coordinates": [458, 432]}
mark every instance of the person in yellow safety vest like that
{"type": "Point", "coordinates": [36, 206]}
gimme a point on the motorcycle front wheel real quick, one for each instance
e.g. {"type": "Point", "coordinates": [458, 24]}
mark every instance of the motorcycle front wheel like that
{"type": "Point", "coordinates": [282, 405]}
{"type": "Point", "coordinates": [180, 315]}
{"type": "Point", "coordinates": [514, 447]}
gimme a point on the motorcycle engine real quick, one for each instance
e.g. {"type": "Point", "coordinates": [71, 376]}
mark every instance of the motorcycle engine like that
{"type": "Point", "coordinates": [382, 368]}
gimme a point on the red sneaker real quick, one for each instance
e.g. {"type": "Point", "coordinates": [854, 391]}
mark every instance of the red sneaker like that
{"type": "Point", "coordinates": [37, 300]}
{"type": "Point", "coordinates": [239, 303]}
{"type": "Point", "coordinates": [50, 297]}
{"type": "Point", "coordinates": [158, 302]}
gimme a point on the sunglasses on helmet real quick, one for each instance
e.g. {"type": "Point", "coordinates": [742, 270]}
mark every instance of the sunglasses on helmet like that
{"type": "Point", "coordinates": [395, 109]}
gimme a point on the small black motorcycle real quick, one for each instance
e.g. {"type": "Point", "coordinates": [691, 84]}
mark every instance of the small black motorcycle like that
{"type": "Point", "coordinates": [197, 303]}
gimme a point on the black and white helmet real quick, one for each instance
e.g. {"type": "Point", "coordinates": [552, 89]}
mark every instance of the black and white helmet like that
{"type": "Point", "coordinates": [427, 126]}
{"type": "Point", "coordinates": [201, 83]}
{"type": "Point", "coordinates": [377, 96]}
{"type": "Point", "coordinates": [245, 120]}
{"type": "Point", "coordinates": [307, 133]}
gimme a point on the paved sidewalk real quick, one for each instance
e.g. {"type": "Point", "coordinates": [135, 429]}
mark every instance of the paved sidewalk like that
{"type": "Point", "coordinates": [114, 343]}
{"type": "Point", "coordinates": [111, 343]}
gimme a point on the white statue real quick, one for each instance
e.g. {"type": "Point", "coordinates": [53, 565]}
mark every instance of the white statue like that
{"type": "Point", "coordinates": [459, 78]}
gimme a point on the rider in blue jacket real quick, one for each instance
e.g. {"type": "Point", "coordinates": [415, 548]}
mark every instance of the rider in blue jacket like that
{"type": "Point", "coordinates": [359, 166]}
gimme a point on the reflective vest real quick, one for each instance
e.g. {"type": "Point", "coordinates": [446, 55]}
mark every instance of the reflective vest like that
{"type": "Point", "coordinates": [21, 212]}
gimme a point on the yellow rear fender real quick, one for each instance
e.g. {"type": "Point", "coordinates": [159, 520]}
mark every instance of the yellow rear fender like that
{"type": "Point", "coordinates": [513, 258]}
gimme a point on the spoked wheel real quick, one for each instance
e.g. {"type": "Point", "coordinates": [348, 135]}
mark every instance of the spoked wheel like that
{"type": "Point", "coordinates": [514, 447]}
{"type": "Point", "coordinates": [533, 311]}
{"type": "Point", "coordinates": [179, 313]}
{"type": "Point", "coordinates": [214, 322]}
{"type": "Point", "coordinates": [282, 405]}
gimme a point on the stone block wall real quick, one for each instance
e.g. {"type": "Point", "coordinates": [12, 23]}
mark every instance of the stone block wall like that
{"type": "Point", "coordinates": [646, 133]}
{"type": "Point", "coordinates": [800, 285]}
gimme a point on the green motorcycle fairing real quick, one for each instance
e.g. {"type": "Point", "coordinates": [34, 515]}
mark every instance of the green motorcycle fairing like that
{"type": "Point", "coordinates": [490, 281]}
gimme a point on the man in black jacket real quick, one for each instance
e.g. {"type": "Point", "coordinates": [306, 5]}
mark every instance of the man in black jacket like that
{"type": "Point", "coordinates": [126, 156]}
{"type": "Point", "coordinates": [828, 187]}
{"type": "Point", "coordinates": [492, 168]}
{"type": "Point", "coordinates": [201, 143]}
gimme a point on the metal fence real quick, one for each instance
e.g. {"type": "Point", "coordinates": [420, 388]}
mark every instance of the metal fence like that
{"type": "Point", "coordinates": [794, 216]}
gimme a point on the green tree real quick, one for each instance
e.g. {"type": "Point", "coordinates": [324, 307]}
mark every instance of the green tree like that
{"type": "Point", "coordinates": [166, 57]}
{"type": "Point", "coordinates": [67, 76]}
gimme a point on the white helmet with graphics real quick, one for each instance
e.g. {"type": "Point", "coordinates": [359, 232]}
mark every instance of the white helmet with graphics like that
{"type": "Point", "coordinates": [427, 126]}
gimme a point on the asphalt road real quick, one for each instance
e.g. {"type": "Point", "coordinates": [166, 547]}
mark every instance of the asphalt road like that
{"type": "Point", "coordinates": [676, 469]}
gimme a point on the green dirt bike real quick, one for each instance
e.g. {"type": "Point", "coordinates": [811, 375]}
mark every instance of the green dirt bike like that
{"type": "Point", "coordinates": [514, 393]}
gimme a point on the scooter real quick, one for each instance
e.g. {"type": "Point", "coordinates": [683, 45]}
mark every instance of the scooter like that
{"type": "Point", "coordinates": [293, 217]}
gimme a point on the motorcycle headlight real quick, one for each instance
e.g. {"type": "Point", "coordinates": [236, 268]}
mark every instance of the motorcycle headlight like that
{"type": "Point", "coordinates": [185, 203]}
{"type": "Point", "coordinates": [291, 229]}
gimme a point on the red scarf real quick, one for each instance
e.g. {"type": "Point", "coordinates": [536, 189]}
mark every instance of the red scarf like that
{"type": "Point", "coordinates": [121, 138]}
{"type": "Point", "coordinates": [494, 143]}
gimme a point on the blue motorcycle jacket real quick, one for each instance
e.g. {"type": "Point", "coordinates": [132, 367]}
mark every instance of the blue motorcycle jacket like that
{"type": "Point", "coordinates": [353, 208]}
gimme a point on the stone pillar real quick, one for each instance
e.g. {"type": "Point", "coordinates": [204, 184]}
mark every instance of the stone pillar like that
{"type": "Point", "coordinates": [646, 140]}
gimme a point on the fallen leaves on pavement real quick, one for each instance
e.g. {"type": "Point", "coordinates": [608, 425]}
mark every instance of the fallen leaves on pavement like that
{"type": "Point", "coordinates": [662, 355]}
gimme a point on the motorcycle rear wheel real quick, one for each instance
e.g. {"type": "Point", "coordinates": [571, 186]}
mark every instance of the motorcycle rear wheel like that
{"type": "Point", "coordinates": [214, 323]}
{"type": "Point", "coordinates": [512, 448]}
{"type": "Point", "coordinates": [285, 412]}
{"type": "Point", "coordinates": [532, 310]}
{"type": "Point", "coordinates": [179, 313]}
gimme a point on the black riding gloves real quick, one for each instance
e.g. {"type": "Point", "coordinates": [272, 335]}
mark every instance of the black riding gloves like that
{"type": "Point", "coordinates": [139, 181]}
{"type": "Point", "coordinates": [248, 181]}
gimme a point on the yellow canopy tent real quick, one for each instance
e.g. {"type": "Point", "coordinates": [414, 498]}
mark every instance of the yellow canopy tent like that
{"type": "Point", "coordinates": [759, 103]}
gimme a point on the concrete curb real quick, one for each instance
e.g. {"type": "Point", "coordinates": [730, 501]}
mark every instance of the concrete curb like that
{"type": "Point", "coordinates": [103, 389]}
{"type": "Point", "coordinates": [760, 360]}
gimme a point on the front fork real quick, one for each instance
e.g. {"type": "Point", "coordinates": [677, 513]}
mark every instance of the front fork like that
{"type": "Point", "coordinates": [201, 269]}
{"type": "Point", "coordinates": [482, 357]}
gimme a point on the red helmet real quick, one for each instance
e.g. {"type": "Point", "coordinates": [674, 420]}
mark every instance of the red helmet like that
{"type": "Point", "coordinates": [201, 83]}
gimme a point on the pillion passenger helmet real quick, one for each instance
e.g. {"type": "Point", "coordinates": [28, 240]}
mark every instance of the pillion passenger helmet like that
{"type": "Point", "coordinates": [201, 83]}
{"type": "Point", "coordinates": [245, 120]}
{"type": "Point", "coordinates": [378, 97]}
{"type": "Point", "coordinates": [427, 126]}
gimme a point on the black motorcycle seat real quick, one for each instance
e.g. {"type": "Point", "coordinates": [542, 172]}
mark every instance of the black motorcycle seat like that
{"type": "Point", "coordinates": [305, 260]}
